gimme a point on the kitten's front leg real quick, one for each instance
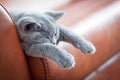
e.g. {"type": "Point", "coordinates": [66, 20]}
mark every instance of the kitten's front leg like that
{"type": "Point", "coordinates": [61, 57]}
{"type": "Point", "coordinates": [80, 43]}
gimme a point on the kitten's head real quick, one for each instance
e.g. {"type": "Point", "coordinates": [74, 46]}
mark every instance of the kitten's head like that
{"type": "Point", "coordinates": [40, 28]}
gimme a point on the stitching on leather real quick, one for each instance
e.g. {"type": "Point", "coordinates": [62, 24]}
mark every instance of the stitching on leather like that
{"type": "Point", "coordinates": [44, 78]}
{"type": "Point", "coordinates": [46, 69]}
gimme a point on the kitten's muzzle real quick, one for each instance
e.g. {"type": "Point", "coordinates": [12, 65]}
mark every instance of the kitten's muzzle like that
{"type": "Point", "coordinates": [53, 41]}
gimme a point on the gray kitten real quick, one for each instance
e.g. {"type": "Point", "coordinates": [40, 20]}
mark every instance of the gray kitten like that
{"type": "Point", "coordinates": [39, 34]}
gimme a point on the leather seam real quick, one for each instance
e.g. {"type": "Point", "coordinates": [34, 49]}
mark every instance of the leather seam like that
{"type": "Point", "coordinates": [46, 69]}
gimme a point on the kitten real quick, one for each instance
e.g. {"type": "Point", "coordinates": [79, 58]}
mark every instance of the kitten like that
{"type": "Point", "coordinates": [39, 34]}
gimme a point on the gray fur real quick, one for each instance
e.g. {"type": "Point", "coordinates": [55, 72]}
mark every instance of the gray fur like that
{"type": "Point", "coordinates": [39, 34]}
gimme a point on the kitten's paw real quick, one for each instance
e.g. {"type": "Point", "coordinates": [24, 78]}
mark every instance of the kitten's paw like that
{"type": "Point", "coordinates": [66, 60]}
{"type": "Point", "coordinates": [86, 47]}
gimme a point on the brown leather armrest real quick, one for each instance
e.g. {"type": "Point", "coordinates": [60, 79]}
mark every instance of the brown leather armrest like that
{"type": "Point", "coordinates": [13, 64]}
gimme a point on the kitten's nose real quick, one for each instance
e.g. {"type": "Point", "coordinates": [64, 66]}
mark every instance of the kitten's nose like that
{"type": "Point", "coordinates": [53, 41]}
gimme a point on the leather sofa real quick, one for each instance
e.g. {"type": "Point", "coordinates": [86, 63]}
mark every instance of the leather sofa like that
{"type": "Point", "coordinates": [97, 21]}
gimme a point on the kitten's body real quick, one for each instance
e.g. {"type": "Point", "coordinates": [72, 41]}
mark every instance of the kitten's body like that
{"type": "Point", "coordinates": [39, 34]}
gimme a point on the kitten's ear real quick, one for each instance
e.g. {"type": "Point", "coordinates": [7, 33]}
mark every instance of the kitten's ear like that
{"type": "Point", "coordinates": [28, 24]}
{"type": "Point", "coordinates": [29, 27]}
{"type": "Point", "coordinates": [55, 14]}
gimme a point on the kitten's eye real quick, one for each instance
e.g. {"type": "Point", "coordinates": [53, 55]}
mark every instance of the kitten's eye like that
{"type": "Point", "coordinates": [48, 37]}
{"type": "Point", "coordinates": [55, 34]}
